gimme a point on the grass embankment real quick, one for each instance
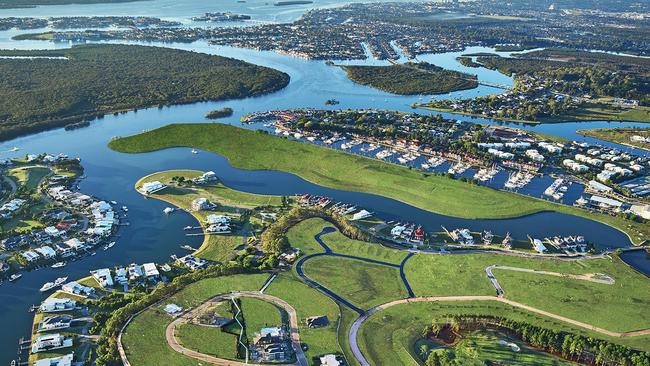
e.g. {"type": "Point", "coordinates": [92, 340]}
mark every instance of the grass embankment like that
{"type": "Point", "coordinates": [620, 135]}
{"type": "Point", "coordinates": [114, 78]}
{"type": "Point", "coordinates": [618, 307]}
{"type": "Point", "coordinates": [144, 338]}
{"type": "Point", "coordinates": [388, 337]}
{"type": "Point", "coordinates": [253, 150]}
{"type": "Point", "coordinates": [29, 176]}
{"type": "Point", "coordinates": [411, 78]}
{"type": "Point", "coordinates": [215, 247]}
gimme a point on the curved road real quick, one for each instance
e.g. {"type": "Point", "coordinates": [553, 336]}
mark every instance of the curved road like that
{"type": "Point", "coordinates": [354, 330]}
{"type": "Point", "coordinates": [185, 317]}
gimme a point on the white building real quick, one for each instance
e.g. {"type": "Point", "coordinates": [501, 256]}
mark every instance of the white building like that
{"type": "Point", "coordinates": [56, 361]}
{"type": "Point", "coordinates": [30, 256]}
{"type": "Point", "coordinates": [54, 304]}
{"type": "Point", "coordinates": [152, 187]}
{"type": "Point", "coordinates": [75, 288]}
{"type": "Point", "coordinates": [74, 244]}
{"type": "Point", "coordinates": [329, 360]}
{"type": "Point", "coordinates": [50, 342]}
{"type": "Point", "coordinates": [103, 277]}
{"type": "Point", "coordinates": [201, 203]}
{"type": "Point", "coordinates": [217, 219]}
{"type": "Point", "coordinates": [150, 270]}
{"type": "Point", "coordinates": [46, 252]}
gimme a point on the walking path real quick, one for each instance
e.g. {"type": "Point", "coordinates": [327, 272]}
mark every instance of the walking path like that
{"type": "Point", "coordinates": [354, 330]}
{"type": "Point", "coordinates": [188, 315]}
{"type": "Point", "coordinates": [331, 253]}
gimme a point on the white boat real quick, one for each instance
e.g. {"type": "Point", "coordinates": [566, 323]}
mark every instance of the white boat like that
{"type": "Point", "coordinates": [13, 149]}
{"type": "Point", "coordinates": [110, 245]}
{"type": "Point", "coordinates": [93, 253]}
{"type": "Point", "coordinates": [113, 202]}
{"type": "Point", "coordinates": [58, 265]}
{"type": "Point", "coordinates": [15, 277]}
{"type": "Point", "coordinates": [187, 228]}
{"type": "Point", "coordinates": [168, 210]}
{"type": "Point", "coordinates": [125, 209]}
{"type": "Point", "coordinates": [47, 287]}
{"type": "Point", "coordinates": [194, 151]}
{"type": "Point", "coordinates": [59, 281]}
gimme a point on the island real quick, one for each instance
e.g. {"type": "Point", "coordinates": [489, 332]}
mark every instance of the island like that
{"type": "Point", "coordinates": [219, 113]}
{"type": "Point", "coordinates": [411, 78]}
{"type": "Point", "coordinates": [353, 172]}
{"type": "Point", "coordinates": [115, 78]}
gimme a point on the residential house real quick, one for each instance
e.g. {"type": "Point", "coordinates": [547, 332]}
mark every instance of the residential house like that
{"type": "Point", "coordinates": [54, 323]}
{"type": "Point", "coordinates": [54, 304]}
{"type": "Point", "coordinates": [103, 277]}
{"type": "Point", "coordinates": [50, 342]}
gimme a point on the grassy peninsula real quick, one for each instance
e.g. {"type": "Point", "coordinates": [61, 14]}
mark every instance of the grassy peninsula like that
{"type": "Point", "coordinates": [411, 78]}
{"type": "Point", "coordinates": [60, 87]}
{"type": "Point", "coordinates": [624, 136]}
{"type": "Point", "coordinates": [255, 150]}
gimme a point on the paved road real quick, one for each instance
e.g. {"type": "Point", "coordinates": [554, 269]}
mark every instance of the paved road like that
{"type": "Point", "coordinates": [293, 322]}
{"type": "Point", "coordinates": [354, 330]}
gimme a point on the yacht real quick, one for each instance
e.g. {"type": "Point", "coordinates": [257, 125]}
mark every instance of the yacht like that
{"type": "Point", "coordinates": [58, 265]}
{"type": "Point", "coordinates": [125, 209]}
{"type": "Point", "coordinates": [187, 228]}
{"type": "Point", "coordinates": [47, 287]}
{"type": "Point", "coordinates": [194, 151]}
{"type": "Point", "coordinates": [15, 277]}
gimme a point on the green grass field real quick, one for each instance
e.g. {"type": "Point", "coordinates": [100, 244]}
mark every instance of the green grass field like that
{"type": "Point", "coordinates": [260, 314]}
{"type": "Point", "coordinates": [144, 338]}
{"type": "Point", "coordinates": [364, 284]}
{"type": "Point", "coordinates": [618, 307]}
{"type": "Point", "coordinates": [309, 302]}
{"type": "Point", "coordinates": [302, 236]}
{"type": "Point", "coordinates": [387, 337]}
{"type": "Point", "coordinates": [29, 176]}
{"type": "Point", "coordinates": [254, 150]}
{"type": "Point", "coordinates": [209, 340]}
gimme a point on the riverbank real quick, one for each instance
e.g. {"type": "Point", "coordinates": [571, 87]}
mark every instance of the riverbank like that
{"type": "Point", "coordinates": [256, 150]}
{"type": "Point", "coordinates": [624, 136]}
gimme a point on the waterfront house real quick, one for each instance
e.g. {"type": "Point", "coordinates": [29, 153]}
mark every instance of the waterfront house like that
{"type": "Point", "coordinates": [218, 229]}
{"type": "Point", "coordinates": [150, 271]}
{"type": "Point", "coordinates": [121, 276]}
{"type": "Point", "coordinates": [103, 277]}
{"type": "Point", "coordinates": [135, 272]}
{"type": "Point", "coordinates": [54, 323]}
{"type": "Point", "coordinates": [30, 256]}
{"type": "Point", "coordinates": [46, 252]}
{"type": "Point", "coordinates": [75, 244]}
{"type": "Point", "coordinates": [63, 250]}
{"type": "Point", "coordinates": [75, 288]}
{"type": "Point", "coordinates": [54, 304]}
{"type": "Point", "coordinates": [207, 177]}
{"type": "Point", "coordinates": [152, 187]}
{"type": "Point", "coordinates": [56, 361]}
{"type": "Point", "coordinates": [50, 342]}
{"type": "Point", "coordinates": [201, 203]}
{"type": "Point", "coordinates": [191, 262]}
{"type": "Point", "coordinates": [217, 219]}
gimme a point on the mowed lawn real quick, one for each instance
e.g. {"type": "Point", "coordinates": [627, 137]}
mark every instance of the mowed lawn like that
{"type": "Point", "coordinates": [248, 149]}
{"type": "Point", "coordinates": [364, 284]}
{"type": "Point", "coordinates": [621, 306]}
{"type": "Point", "coordinates": [309, 302]}
{"type": "Point", "coordinates": [302, 236]}
{"type": "Point", "coordinates": [29, 176]}
{"type": "Point", "coordinates": [144, 338]}
{"type": "Point", "coordinates": [388, 336]}
{"type": "Point", "coordinates": [209, 340]}
{"type": "Point", "coordinates": [260, 314]}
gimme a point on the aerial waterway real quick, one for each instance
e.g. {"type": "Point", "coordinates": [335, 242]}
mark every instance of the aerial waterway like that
{"type": "Point", "coordinates": [153, 236]}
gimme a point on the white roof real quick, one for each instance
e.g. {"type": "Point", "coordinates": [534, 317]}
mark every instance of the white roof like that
{"type": "Point", "coordinates": [173, 309]}
{"type": "Point", "coordinates": [607, 201]}
{"type": "Point", "coordinates": [150, 269]}
{"type": "Point", "coordinates": [56, 361]}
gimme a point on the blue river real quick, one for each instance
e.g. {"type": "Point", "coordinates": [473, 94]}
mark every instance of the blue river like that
{"type": "Point", "coordinates": [153, 236]}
